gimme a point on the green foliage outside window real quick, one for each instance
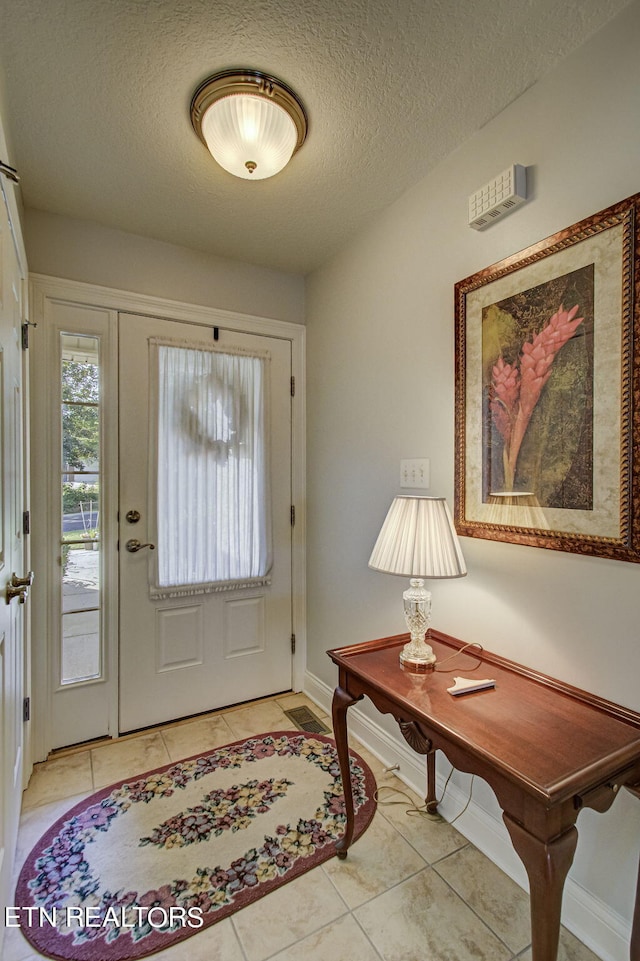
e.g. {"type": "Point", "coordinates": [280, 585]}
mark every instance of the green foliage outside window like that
{"type": "Point", "coordinates": [73, 495]}
{"type": "Point", "coordinates": [80, 420]}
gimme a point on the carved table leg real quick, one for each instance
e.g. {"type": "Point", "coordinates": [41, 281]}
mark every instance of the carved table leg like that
{"type": "Point", "coordinates": [547, 864]}
{"type": "Point", "coordinates": [417, 739]}
{"type": "Point", "coordinates": [431, 801]}
{"type": "Point", "coordinates": [342, 701]}
{"type": "Point", "coordinates": [634, 951]}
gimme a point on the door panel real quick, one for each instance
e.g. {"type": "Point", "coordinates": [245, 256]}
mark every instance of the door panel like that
{"type": "Point", "coordinates": [12, 621]}
{"type": "Point", "coordinates": [179, 638]}
{"type": "Point", "coordinates": [185, 654]}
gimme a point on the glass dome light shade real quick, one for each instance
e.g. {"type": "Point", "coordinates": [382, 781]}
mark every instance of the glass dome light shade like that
{"type": "Point", "coordinates": [250, 122]}
{"type": "Point", "coordinates": [250, 136]}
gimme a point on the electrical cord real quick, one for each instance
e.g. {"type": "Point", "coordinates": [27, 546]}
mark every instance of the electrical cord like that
{"type": "Point", "coordinates": [421, 811]}
{"type": "Point", "coordinates": [439, 670]}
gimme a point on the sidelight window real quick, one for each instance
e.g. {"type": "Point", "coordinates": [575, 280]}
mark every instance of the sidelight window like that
{"type": "Point", "coordinates": [80, 482]}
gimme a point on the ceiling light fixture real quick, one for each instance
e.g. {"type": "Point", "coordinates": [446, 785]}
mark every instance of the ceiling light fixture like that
{"type": "Point", "coordinates": [251, 123]}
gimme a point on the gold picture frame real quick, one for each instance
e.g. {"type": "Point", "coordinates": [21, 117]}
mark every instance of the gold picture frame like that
{"type": "Point", "coordinates": [547, 388]}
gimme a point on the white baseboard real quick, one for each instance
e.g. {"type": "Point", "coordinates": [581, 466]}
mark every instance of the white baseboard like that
{"type": "Point", "coordinates": [603, 930]}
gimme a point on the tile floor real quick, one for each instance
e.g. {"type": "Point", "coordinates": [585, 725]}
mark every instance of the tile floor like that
{"type": "Point", "coordinates": [410, 890]}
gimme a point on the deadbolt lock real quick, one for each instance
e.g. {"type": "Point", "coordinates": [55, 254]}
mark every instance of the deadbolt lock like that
{"type": "Point", "coordinates": [132, 516]}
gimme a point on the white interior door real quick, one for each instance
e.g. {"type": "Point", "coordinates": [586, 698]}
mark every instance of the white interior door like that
{"type": "Point", "coordinates": [12, 621]}
{"type": "Point", "coordinates": [205, 476]}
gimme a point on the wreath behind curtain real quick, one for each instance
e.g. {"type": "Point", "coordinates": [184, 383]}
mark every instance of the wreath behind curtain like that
{"type": "Point", "coordinates": [209, 473]}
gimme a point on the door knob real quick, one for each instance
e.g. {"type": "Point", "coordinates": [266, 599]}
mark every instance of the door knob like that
{"type": "Point", "coordinates": [22, 581]}
{"type": "Point", "coordinates": [133, 546]}
{"type": "Point", "coordinates": [132, 517]}
{"type": "Point", "coordinates": [21, 593]}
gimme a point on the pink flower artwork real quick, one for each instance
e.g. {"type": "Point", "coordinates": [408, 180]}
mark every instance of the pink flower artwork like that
{"type": "Point", "coordinates": [515, 390]}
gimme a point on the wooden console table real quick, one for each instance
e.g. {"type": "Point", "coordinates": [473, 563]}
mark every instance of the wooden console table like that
{"type": "Point", "coordinates": [547, 750]}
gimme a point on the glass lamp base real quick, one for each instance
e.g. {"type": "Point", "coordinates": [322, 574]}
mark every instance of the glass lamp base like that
{"type": "Point", "coordinates": [417, 656]}
{"type": "Point", "coordinates": [417, 663]}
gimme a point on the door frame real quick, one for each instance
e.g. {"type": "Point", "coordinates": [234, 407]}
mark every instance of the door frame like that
{"type": "Point", "coordinates": [11, 193]}
{"type": "Point", "coordinates": [15, 759]}
{"type": "Point", "coordinates": [46, 291]}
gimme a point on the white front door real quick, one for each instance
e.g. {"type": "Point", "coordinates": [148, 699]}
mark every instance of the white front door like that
{"type": "Point", "coordinates": [205, 477]}
{"type": "Point", "coordinates": [12, 554]}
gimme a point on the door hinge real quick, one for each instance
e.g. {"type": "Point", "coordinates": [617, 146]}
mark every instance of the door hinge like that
{"type": "Point", "coordinates": [293, 644]}
{"type": "Point", "coordinates": [293, 515]}
{"type": "Point", "coordinates": [26, 522]}
{"type": "Point", "coordinates": [26, 709]}
{"type": "Point", "coordinates": [293, 387]}
{"type": "Point", "coordinates": [25, 333]}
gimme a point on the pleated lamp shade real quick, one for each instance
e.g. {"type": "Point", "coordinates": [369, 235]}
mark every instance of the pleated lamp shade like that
{"type": "Point", "coordinates": [249, 136]}
{"type": "Point", "coordinates": [418, 539]}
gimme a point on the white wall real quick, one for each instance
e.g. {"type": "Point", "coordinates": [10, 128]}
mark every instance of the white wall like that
{"type": "Point", "coordinates": [381, 387]}
{"type": "Point", "coordinates": [85, 251]}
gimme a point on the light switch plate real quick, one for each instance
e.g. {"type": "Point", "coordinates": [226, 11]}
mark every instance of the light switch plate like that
{"type": "Point", "coordinates": [414, 473]}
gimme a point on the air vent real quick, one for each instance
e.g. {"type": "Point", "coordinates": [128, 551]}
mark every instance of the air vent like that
{"type": "Point", "coordinates": [498, 197]}
{"type": "Point", "coordinates": [305, 720]}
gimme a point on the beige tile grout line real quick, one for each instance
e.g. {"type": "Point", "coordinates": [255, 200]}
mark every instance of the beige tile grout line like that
{"type": "Point", "coordinates": [93, 778]}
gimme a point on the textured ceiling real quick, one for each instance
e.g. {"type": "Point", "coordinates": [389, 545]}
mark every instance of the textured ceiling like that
{"type": "Point", "coordinates": [98, 93]}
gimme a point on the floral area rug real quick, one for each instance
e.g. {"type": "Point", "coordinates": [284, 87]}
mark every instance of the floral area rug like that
{"type": "Point", "coordinates": [154, 859]}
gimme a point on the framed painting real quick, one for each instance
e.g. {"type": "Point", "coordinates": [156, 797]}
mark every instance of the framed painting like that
{"type": "Point", "coordinates": [548, 392]}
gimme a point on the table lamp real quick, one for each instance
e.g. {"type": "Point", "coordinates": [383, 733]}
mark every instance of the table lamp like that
{"type": "Point", "coordinates": [418, 540]}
